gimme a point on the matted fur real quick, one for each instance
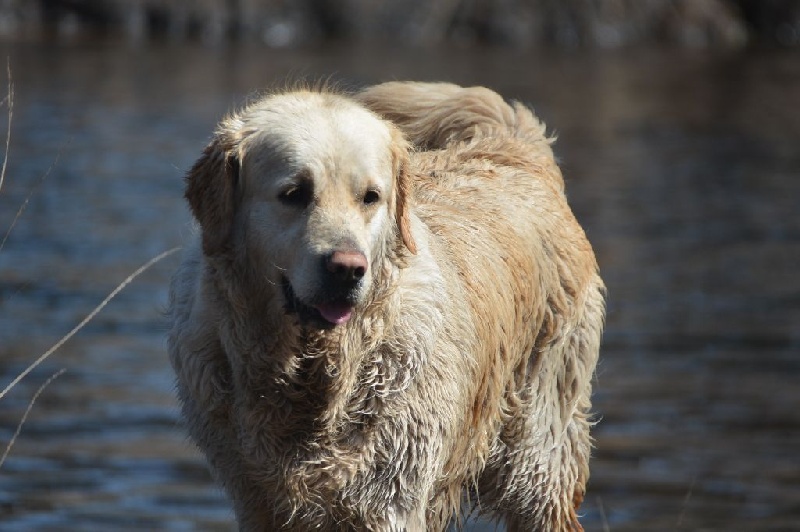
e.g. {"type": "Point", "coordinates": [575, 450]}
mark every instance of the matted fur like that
{"type": "Point", "coordinates": [464, 373]}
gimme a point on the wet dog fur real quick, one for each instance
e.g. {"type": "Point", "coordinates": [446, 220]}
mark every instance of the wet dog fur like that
{"type": "Point", "coordinates": [389, 312]}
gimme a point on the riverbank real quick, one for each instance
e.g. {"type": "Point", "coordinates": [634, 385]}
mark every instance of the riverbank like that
{"type": "Point", "coordinates": [514, 23]}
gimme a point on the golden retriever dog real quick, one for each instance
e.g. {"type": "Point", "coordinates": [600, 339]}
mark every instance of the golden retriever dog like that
{"type": "Point", "coordinates": [389, 312]}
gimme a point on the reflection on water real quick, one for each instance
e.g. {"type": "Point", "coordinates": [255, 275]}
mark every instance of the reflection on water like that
{"type": "Point", "coordinates": [684, 169]}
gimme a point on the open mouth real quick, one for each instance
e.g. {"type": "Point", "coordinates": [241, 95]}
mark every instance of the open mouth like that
{"type": "Point", "coordinates": [325, 314]}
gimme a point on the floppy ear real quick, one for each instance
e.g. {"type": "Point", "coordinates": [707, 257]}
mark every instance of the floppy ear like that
{"type": "Point", "coordinates": [403, 188]}
{"type": "Point", "coordinates": [210, 191]}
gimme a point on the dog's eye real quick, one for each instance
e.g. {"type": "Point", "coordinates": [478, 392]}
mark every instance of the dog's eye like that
{"type": "Point", "coordinates": [298, 195]}
{"type": "Point", "coordinates": [371, 196]}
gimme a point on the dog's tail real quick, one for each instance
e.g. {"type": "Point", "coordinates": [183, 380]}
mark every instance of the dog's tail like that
{"type": "Point", "coordinates": [432, 115]}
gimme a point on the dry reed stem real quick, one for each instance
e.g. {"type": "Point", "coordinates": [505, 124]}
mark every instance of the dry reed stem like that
{"type": "Point", "coordinates": [603, 517]}
{"type": "Point", "coordinates": [10, 99]}
{"type": "Point", "coordinates": [28, 411]}
{"type": "Point", "coordinates": [27, 199]}
{"type": "Point", "coordinates": [88, 318]}
{"type": "Point", "coordinates": [686, 500]}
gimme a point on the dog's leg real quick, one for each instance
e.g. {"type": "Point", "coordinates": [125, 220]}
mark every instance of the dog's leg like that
{"type": "Point", "coordinates": [534, 483]}
{"type": "Point", "coordinates": [412, 522]}
{"type": "Point", "coordinates": [537, 473]}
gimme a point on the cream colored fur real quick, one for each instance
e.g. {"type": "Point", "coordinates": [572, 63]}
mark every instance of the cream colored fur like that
{"type": "Point", "coordinates": [464, 373]}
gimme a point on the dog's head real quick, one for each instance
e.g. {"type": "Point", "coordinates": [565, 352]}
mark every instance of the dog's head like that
{"type": "Point", "coordinates": [311, 191]}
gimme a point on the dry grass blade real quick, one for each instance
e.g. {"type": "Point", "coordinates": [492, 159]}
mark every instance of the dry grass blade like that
{"type": "Point", "coordinates": [28, 411]}
{"type": "Point", "coordinates": [27, 200]}
{"type": "Point", "coordinates": [87, 319]}
{"type": "Point", "coordinates": [606, 525]}
{"type": "Point", "coordinates": [10, 99]}
{"type": "Point", "coordinates": [686, 503]}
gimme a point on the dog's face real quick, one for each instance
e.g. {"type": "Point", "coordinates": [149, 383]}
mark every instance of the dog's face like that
{"type": "Point", "coordinates": [310, 187]}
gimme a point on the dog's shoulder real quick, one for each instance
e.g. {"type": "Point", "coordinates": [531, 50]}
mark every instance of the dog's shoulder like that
{"type": "Point", "coordinates": [191, 312]}
{"type": "Point", "coordinates": [183, 286]}
{"type": "Point", "coordinates": [429, 289]}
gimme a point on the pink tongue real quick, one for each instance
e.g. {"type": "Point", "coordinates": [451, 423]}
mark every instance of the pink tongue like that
{"type": "Point", "coordinates": [336, 314]}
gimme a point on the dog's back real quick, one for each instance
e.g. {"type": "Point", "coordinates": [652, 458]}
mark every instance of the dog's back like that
{"type": "Point", "coordinates": [487, 183]}
{"type": "Point", "coordinates": [436, 115]}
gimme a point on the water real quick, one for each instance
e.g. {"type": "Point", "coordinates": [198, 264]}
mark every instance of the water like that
{"type": "Point", "coordinates": [684, 169]}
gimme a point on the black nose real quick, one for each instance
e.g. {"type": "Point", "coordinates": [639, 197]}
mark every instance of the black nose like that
{"type": "Point", "coordinates": [346, 266]}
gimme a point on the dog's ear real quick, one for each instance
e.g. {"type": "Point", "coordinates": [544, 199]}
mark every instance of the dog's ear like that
{"type": "Point", "coordinates": [403, 187]}
{"type": "Point", "coordinates": [211, 193]}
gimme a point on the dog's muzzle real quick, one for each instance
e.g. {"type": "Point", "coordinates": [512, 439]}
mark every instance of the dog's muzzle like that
{"type": "Point", "coordinates": [342, 274]}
